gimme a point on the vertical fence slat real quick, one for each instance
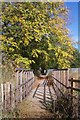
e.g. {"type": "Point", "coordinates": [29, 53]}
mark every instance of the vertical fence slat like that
{"type": "Point", "coordinates": [17, 77]}
{"type": "Point", "coordinates": [26, 84]}
{"type": "Point", "coordinates": [2, 93]}
{"type": "Point", "coordinates": [59, 79]}
{"type": "Point", "coordinates": [21, 86]}
{"type": "Point", "coordinates": [5, 95]}
{"type": "Point", "coordinates": [8, 87]}
{"type": "Point", "coordinates": [13, 96]}
{"type": "Point", "coordinates": [16, 92]}
{"type": "Point", "coordinates": [10, 94]}
{"type": "Point", "coordinates": [64, 80]}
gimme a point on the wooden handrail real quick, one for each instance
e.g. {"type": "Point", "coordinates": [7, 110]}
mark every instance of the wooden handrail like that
{"type": "Point", "coordinates": [22, 69]}
{"type": "Point", "coordinates": [23, 83]}
{"type": "Point", "coordinates": [71, 80]}
{"type": "Point", "coordinates": [59, 89]}
{"type": "Point", "coordinates": [60, 69]}
{"type": "Point", "coordinates": [76, 89]}
{"type": "Point", "coordinates": [74, 80]}
{"type": "Point", "coordinates": [60, 83]}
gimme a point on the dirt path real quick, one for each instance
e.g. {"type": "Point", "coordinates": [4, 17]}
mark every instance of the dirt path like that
{"type": "Point", "coordinates": [31, 107]}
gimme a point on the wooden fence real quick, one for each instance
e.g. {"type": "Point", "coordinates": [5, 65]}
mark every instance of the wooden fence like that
{"type": "Point", "coordinates": [75, 93]}
{"type": "Point", "coordinates": [65, 86]}
{"type": "Point", "coordinates": [16, 91]}
{"type": "Point", "coordinates": [62, 75]}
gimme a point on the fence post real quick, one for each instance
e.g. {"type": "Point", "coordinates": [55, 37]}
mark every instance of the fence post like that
{"type": "Point", "coordinates": [12, 100]}
{"type": "Point", "coordinates": [17, 77]}
{"type": "Point", "coordinates": [71, 86]}
{"type": "Point", "coordinates": [64, 80]}
{"type": "Point", "coordinates": [68, 77]}
{"type": "Point", "coordinates": [13, 96]}
{"type": "Point", "coordinates": [59, 79]}
{"type": "Point", "coordinates": [8, 85]}
{"type": "Point", "coordinates": [25, 84]}
{"type": "Point", "coordinates": [17, 83]}
{"type": "Point", "coordinates": [32, 79]}
{"type": "Point", "coordinates": [5, 95]}
{"type": "Point", "coordinates": [23, 95]}
{"type": "Point", "coordinates": [2, 95]}
{"type": "Point", "coordinates": [71, 100]}
{"type": "Point", "coordinates": [79, 100]}
{"type": "Point", "coordinates": [21, 86]}
{"type": "Point", "coordinates": [10, 94]}
{"type": "Point", "coordinates": [26, 92]}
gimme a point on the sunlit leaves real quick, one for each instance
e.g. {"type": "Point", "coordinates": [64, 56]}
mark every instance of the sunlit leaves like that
{"type": "Point", "coordinates": [35, 34]}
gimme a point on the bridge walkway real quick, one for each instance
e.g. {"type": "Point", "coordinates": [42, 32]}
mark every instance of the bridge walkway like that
{"type": "Point", "coordinates": [32, 107]}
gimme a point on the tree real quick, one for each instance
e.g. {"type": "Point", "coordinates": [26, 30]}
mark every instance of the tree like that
{"type": "Point", "coordinates": [76, 61]}
{"type": "Point", "coordinates": [34, 35]}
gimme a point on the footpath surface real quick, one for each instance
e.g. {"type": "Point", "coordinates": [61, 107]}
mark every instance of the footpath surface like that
{"type": "Point", "coordinates": [32, 107]}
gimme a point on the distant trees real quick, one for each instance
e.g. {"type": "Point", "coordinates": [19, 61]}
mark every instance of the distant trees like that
{"type": "Point", "coordinates": [34, 35]}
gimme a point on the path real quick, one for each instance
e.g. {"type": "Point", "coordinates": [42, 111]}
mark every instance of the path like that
{"type": "Point", "coordinates": [32, 107]}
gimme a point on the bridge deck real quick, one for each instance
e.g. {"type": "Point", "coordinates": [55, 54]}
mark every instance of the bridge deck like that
{"type": "Point", "coordinates": [33, 107]}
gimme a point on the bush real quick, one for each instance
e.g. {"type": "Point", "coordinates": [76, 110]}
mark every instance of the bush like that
{"type": "Point", "coordinates": [64, 109]}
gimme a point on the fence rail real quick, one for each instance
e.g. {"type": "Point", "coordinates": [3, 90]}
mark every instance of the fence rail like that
{"type": "Point", "coordinates": [12, 93]}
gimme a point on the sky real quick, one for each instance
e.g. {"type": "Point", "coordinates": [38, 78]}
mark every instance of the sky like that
{"type": "Point", "coordinates": [73, 19]}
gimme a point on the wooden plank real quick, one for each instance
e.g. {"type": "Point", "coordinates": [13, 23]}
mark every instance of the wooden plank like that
{"type": "Point", "coordinates": [26, 84]}
{"type": "Point", "coordinates": [10, 95]}
{"type": "Point", "coordinates": [24, 80]}
{"type": "Point", "coordinates": [64, 77]}
{"type": "Point", "coordinates": [59, 69]}
{"type": "Point", "coordinates": [59, 79]}
{"type": "Point", "coordinates": [17, 84]}
{"type": "Point", "coordinates": [44, 96]}
{"type": "Point", "coordinates": [13, 96]}
{"type": "Point", "coordinates": [5, 96]}
{"type": "Point", "coordinates": [22, 69]}
{"type": "Point", "coordinates": [75, 80]}
{"type": "Point", "coordinates": [68, 78]}
{"type": "Point", "coordinates": [17, 78]}
{"type": "Point", "coordinates": [64, 72]}
{"type": "Point", "coordinates": [2, 93]}
{"type": "Point", "coordinates": [21, 86]}
{"type": "Point", "coordinates": [8, 85]}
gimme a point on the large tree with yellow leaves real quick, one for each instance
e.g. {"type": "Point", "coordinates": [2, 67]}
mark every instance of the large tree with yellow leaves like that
{"type": "Point", "coordinates": [35, 35]}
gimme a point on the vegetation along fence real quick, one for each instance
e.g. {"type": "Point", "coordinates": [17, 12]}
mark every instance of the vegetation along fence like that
{"type": "Point", "coordinates": [69, 88]}
{"type": "Point", "coordinates": [16, 91]}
